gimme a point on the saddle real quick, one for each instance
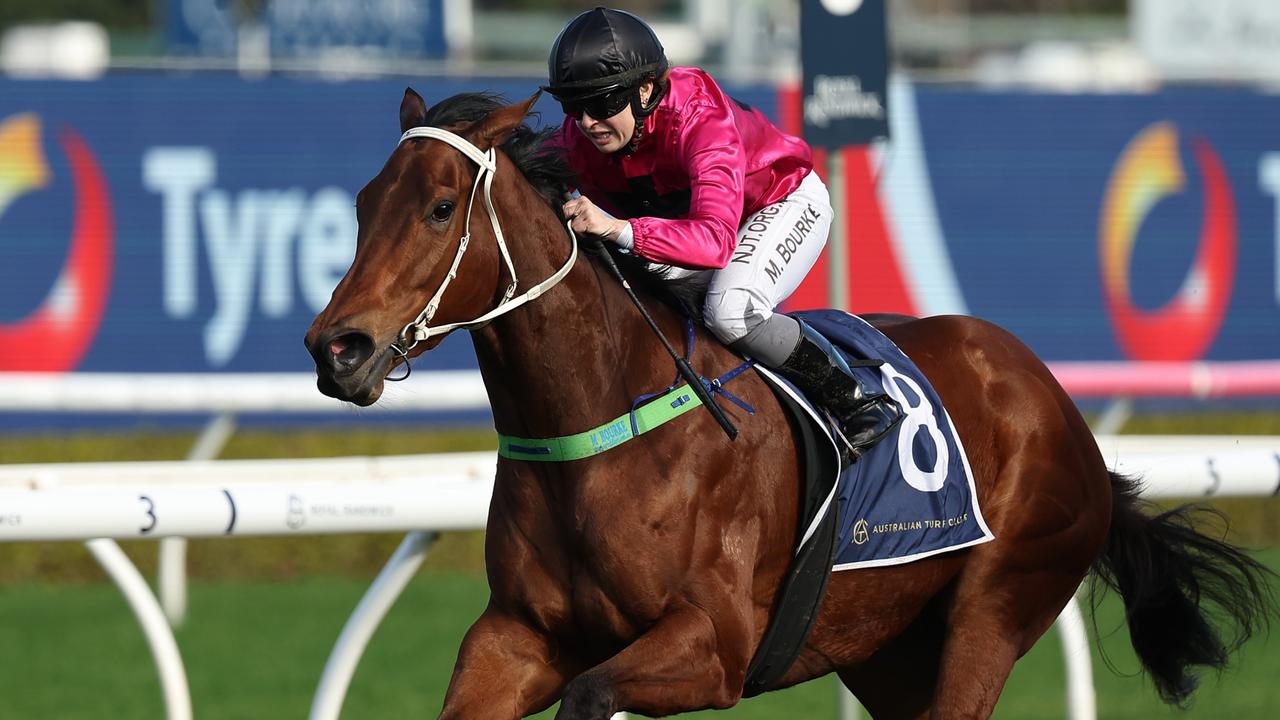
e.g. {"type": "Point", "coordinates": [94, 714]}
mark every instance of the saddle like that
{"type": "Point", "coordinates": [910, 496]}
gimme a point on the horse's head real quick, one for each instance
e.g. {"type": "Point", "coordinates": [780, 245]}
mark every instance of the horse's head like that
{"type": "Point", "coordinates": [409, 250]}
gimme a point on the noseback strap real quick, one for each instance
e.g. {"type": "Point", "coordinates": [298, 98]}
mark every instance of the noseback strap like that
{"type": "Point", "coordinates": [420, 329]}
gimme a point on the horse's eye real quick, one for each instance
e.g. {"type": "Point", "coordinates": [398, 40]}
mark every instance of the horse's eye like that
{"type": "Point", "coordinates": [441, 212]}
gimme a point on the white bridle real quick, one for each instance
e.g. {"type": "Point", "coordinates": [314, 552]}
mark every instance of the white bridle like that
{"type": "Point", "coordinates": [488, 162]}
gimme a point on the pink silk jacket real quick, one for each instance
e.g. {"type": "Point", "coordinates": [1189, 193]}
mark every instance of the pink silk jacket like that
{"type": "Point", "coordinates": [703, 165]}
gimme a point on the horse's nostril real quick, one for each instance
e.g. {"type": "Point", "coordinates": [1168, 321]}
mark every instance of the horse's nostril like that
{"type": "Point", "coordinates": [348, 352]}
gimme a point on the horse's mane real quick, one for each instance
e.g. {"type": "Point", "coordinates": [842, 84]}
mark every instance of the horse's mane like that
{"type": "Point", "coordinates": [547, 169]}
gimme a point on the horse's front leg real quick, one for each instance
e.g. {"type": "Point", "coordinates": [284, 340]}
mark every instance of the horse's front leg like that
{"type": "Point", "coordinates": [505, 670]}
{"type": "Point", "coordinates": [686, 661]}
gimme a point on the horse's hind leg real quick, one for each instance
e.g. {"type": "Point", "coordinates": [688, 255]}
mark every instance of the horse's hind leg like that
{"type": "Point", "coordinates": [999, 610]}
{"type": "Point", "coordinates": [953, 660]}
{"type": "Point", "coordinates": [977, 658]}
{"type": "Point", "coordinates": [898, 681]}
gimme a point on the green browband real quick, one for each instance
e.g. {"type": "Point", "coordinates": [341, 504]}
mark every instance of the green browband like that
{"type": "Point", "coordinates": [668, 406]}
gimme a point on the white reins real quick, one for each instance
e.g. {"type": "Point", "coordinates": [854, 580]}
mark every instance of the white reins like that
{"type": "Point", "coordinates": [487, 160]}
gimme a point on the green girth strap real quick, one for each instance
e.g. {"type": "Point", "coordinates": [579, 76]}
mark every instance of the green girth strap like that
{"type": "Point", "coordinates": [668, 406]}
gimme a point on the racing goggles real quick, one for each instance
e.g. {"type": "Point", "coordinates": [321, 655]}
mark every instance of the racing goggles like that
{"type": "Point", "coordinates": [602, 106]}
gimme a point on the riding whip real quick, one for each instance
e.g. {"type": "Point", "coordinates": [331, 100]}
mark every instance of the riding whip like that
{"type": "Point", "coordinates": [686, 372]}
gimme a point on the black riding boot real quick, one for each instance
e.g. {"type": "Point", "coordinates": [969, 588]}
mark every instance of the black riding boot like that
{"type": "Point", "coordinates": [822, 374]}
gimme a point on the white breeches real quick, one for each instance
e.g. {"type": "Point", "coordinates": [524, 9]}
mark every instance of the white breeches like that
{"type": "Point", "coordinates": [777, 246]}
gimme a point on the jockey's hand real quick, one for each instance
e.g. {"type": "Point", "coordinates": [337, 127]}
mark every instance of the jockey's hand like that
{"type": "Point", "coordinates": [586, 218]}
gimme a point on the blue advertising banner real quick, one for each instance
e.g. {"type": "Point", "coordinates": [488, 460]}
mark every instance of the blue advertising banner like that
{"type": "Point", "coordinates": [844, 52]}
{"type": "Point", "coordinates": [198, 223]}
{"type": "Point", "coordinates": [298, 28]}
{"type": "Point", "coordinates": [1113, 227]}
{"type": "Point", "coordinates": [391, 28]}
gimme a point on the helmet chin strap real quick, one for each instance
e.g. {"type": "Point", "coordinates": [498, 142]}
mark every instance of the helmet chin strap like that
{"type": "Point", "coordinates": [420, 328]}
{"type": "Point", "coordinates": [641, 110]}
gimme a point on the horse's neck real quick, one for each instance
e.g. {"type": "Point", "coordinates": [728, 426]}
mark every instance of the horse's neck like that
{"type": "Point", "coordinates": [577, 356]}
{"type": "Point", "coordinates": [570, 361]}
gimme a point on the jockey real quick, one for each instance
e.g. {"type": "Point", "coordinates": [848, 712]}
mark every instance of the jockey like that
{"type": "Point", "coordinates": [706, 184]}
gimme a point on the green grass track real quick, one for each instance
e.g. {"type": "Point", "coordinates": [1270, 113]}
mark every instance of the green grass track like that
{"type": "Point", "coordinates": [256, 650]}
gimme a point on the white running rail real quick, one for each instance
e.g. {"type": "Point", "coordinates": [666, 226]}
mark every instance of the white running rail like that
{"type": "Point", "coordinates": [422, 494]}
{"type": "Point", "coordinates": [103, 502]}
{"type": "Point", "coordinates": [223, 396]}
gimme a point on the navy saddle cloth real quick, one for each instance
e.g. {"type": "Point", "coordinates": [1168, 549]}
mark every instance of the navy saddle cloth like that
{"type": "Point", "coordinates": [910, 496]}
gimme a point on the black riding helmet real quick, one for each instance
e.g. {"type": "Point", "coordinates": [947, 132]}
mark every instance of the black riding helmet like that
{"type": "Point", "coordinates": [601, 58]}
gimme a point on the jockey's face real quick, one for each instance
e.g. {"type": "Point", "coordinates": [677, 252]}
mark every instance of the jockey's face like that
{"type": "Point", "coordinates": [612, 134]}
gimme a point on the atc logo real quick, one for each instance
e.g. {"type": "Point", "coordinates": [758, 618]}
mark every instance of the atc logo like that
{"type": "Point", "coordinates": [57, 334]}
{"type": "Point", "coordinates": [1149, 170]}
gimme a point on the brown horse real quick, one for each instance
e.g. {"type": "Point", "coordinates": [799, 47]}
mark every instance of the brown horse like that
{"type": "Point", "coordinates": [642, 578]}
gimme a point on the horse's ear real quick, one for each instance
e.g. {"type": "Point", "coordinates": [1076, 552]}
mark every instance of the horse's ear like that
{"type": "Point", "coordinates": [497, 126]}
{"type": "Point", "coordinates": [413, 110]}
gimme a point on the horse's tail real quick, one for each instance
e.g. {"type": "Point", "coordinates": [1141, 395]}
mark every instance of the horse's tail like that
{"type": "Point", "coordinates": [1166, 571]}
